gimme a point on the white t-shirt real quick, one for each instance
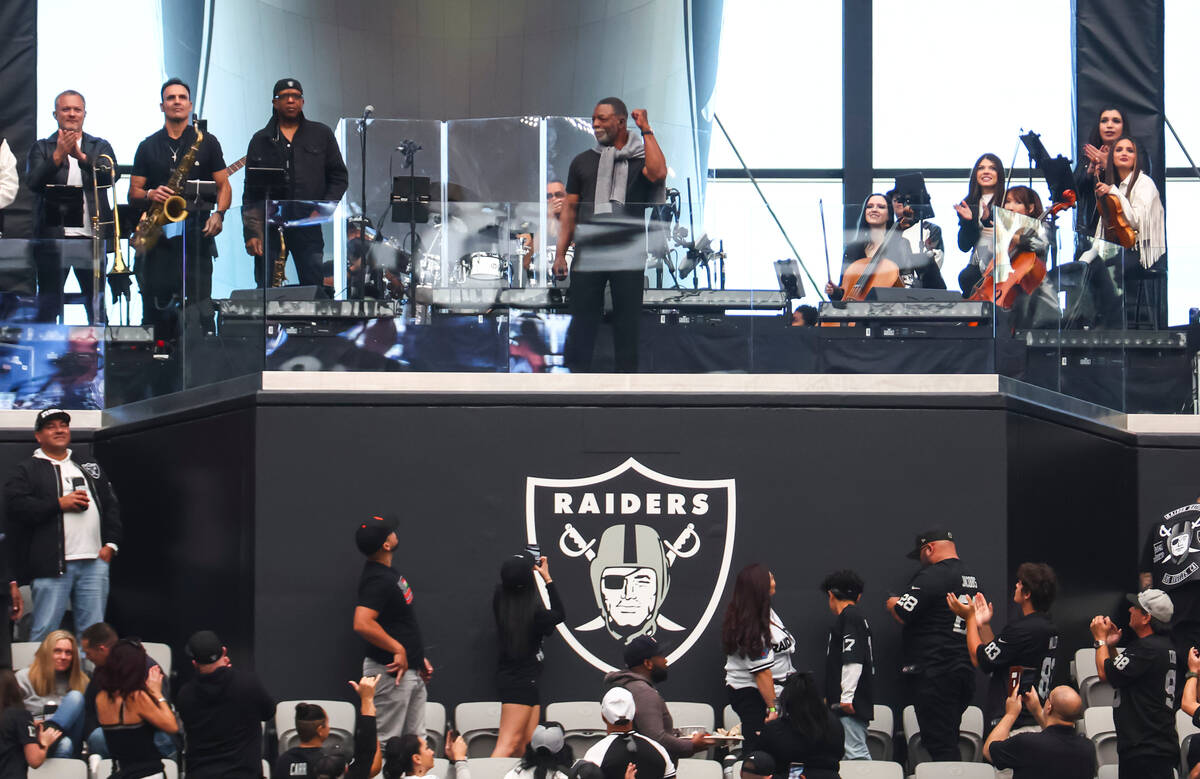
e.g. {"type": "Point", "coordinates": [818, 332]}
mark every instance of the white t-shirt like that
{"type": "Point", "coordinates": [777, 655]}
{"type": "Point", "coordinates": [75, 179]}
{"type": "Point", "coordinates": [81, 529]}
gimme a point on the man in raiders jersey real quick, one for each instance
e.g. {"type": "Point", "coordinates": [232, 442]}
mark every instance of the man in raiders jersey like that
{"type": "Point", "coordinates": [1145, 681]}
{"type": "Point", "coordinates": [622, 746]}
{"type": "Point", "coordinates": [849, 662]}
{"type": "Point", "coordinates": [936, 666]}
{"type": "Point", "coordinates": [1027, 643]}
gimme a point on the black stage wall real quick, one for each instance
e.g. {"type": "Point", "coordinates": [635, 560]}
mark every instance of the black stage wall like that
{"type": "Point", "coordinates": [18, 101]}
{"type": "Point", "coordinates": [283, 486]}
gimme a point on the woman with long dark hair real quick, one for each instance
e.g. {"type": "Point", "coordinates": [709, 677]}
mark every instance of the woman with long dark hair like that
{"type": "Point", "coordinates": [1111, 123]}
{"type": "Point", "coordinates": [806, 733]}
{"type": "Point", "coordinates": [23, 743]}
{"type": "Point", "coordinates": [548, 755]}
{"type": "Point", "coordinates": [522, 623]}
{"type": "Point", "coordinates": [975, 226]}
{"type": "Point", "coordinates": [129, 707]}
{"type": "Point", "coordinates": [875, 220]}
{"type": "Point", "coordinates": [758, 651]}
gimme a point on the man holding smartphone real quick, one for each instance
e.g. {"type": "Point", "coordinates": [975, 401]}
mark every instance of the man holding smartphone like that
{"type": "Point", "coordinates": [64, 526]}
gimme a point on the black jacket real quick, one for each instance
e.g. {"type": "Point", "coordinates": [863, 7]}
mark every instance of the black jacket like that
{"type": "Point", "coordinates": [35, 536]}
{"type": "Point", "coordinates": [41, 171]}
{"type": "Point", "coordinates": [317, 171]}
{"type": "Point", "coordinates": [222, 714]}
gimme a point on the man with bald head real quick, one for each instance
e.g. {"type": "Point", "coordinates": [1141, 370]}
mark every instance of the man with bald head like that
{"type": "Point", "coordinates": [1057, 752]}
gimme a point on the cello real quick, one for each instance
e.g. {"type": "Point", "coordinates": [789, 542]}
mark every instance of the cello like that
{"type": "Point", "coordinates": [1028, 270]}
{"type": "Point", "coordinates": [867, 273]}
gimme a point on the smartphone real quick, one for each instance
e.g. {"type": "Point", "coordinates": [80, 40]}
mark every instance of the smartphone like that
{"type": "Point", "coordinates": [796, 771]}
{"type": "Point", "coordinates": [1014, 680]}
{"type": "Point", "coordinates": [534, 551]}
{"type": "Point", "coordinates": [78, 483]}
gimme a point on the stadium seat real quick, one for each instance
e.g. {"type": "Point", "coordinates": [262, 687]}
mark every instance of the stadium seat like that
{"type": "Point", "coordinates": [692, 715]}
{"type": "Point", "coordinates": [955, 770]}
{"type": "Point", "coordinates": [22, 653]}
{"type": "Point", "coordinates": [1109, 772]}
{"type": "Point", "coordinates": [435, 726]}
{"type": "Point", "coordinates": [341, 724]}
{"type": "Point", "coordinates": [170, 769]}
{"type": "Point", "coordinates": [60, 768]}
{"type": "Point", "coordinates": [970, 736]}
{"type": "Point", "coordinates": [479, 724]}
{"type": "Point", "coordinates": [582, 722]}
{"type": "Point", "coordinates": [730, 718]}
{"type": "Point", "coordinates": [870, 769]}
{"type": "Point", "coordinates": [161, 654]}
{"type": "Point", "coordinates": [692, 768]}
{"type": "Point", "coordinates": [1186, 730]}
{"type": "Point", "coordinates": [1098, 727]}
{"type": "Point", "coordinates": [1093, 691]}
{"type": "Point", "coordinates": [880, 732]}
{"type": "Point", "coordinates": [490, 767]}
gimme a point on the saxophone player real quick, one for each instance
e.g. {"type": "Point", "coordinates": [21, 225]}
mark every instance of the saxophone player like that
{"type": "Point", "coordinates": [307, 151]}
{"type": "Point", "coordinates": [164, 279]}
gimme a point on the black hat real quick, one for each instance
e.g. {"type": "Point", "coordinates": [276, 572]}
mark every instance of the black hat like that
{"type": "Point", "coordinates": [45, 415]}
{"type": "Point", "coordinates": [287, 83]}
{"type": "Point", "coordinates": [372, 533]}
{"type": "Point", "coordinates": [928, 537]}
{"type": "Point", "coordinates": [759, 764]}
{"type": "Point", "coordinates": [205, 647]}
{"type": "Point", "coordinates": [516, 572]}
{"type": "Point", "coordinates": [640, 650]}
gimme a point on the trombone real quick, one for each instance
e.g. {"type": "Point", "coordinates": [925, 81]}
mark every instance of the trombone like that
{"type": "Point", "coordinates": [119, 273]}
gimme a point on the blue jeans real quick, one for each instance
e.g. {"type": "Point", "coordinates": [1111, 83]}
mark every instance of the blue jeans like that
{"type": "Point", "coordinates": [69, 719]}
{"type": "Point", "coordinates": [84, 586]}
{"type": "Point", "coordinates": [98, 745]}
{"type": "Point", "coordinates": [856, 739]}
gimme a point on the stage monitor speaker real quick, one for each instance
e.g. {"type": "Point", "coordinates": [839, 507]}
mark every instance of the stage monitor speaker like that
{"type": "Point", "coordinates": [914, 295]}
{"type": "Point", "coordinates": [290, 292]}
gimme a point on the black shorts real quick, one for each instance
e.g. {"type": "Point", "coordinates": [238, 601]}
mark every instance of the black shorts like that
{"type": "Point", "coordinates": [518, 688]}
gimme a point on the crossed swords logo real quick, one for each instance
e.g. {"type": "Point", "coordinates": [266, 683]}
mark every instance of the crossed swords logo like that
{"type": "Point", "coordinates": [573, 544]}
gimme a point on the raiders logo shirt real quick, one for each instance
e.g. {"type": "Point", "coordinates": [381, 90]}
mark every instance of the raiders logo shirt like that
{"type": "Point", "coordinates": [935, 639]}
{"type": "Point", "coordinates": [16, 730]}
{"type": "Point", "coordinates": [850, 664]}
{"type": "Point", "coordinates": [1145, 681]}
{"type": "Point", "coordinates": [777, 655]}
{"type": "Point", "coordinates": [616, 751]}
{"type": "Point", "coordinates": [1030, 641]}
{"type": "Point", "coordinates": [382, 589]}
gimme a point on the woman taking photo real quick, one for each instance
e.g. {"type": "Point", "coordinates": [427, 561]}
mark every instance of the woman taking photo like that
{"type": "Point", "coordinates": [130, 707]}
{"type": "Point", "coordinates": [808, 733]}
{"type": "Point", "coordinates": [53, 686]}
{"type": "Point", "coordinates": [23, 744]}
{"type": "Point", "coordinates": [975, 226]}
{"type": "Point", "coordinates": [522, 623]}
{"type": "Point", "coordinates": [758, 652]}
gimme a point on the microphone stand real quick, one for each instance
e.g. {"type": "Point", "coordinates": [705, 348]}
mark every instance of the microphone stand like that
{"type": "Point", "coordinates": [409, 149]}
{"type": "Point", "coordinates": [362, 141]}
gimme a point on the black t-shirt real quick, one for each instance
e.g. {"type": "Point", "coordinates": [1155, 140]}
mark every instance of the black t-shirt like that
{"type": "Point", "coordinates": [616, 751]}
{"type": "Point", "coordinates": [153, 157]}
{"type": "Point", "coordinates": [1185, 595]}
{"type": "Point", "coordinates": [613, 241]}
{"type": "Point", "coordinates": [1029, 641]}
{"type": "Point", "coordinates": [819, 753]}
{"type": "Point", "coordinates": [529, 665]}
{"type": "Point", "coordinates": [850, 642]}
{"type": "Point", "coordinates": [1145, 679]}
{"type": "Point", "coordinates": [1058, 752]}
{"type": "Point", "coordinates": [382, 589]}
{"type": "Point", "coordinates": [16, 730]}
{"type": "Point", "coordinates": [934, 639]}
{"type": "Point", "coordinates": [297, 761]}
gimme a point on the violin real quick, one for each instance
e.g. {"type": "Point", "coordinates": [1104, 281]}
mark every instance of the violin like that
{"type": "Point", "coordinates": [1117, 228]}
{"type": "Point", "coordinates": [1028, 270]}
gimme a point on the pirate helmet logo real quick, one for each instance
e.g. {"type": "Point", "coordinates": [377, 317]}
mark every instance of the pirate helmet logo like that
{"type": "Point", "coordinates": [1175, 548]}
{"type": "Point", "coordinates": [632, 527]}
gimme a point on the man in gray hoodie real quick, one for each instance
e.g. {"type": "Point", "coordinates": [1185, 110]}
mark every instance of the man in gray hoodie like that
{"type": "Point", "coordinates": [647, 665]}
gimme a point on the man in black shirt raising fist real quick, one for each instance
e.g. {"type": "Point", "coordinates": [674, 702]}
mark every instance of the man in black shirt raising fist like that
{"type": "Point", "coordinates": [936, 666]}
{"type": "Point", "coordinates": [849, 662]}
{"type": "Point", "coordinates": [1145, 681]}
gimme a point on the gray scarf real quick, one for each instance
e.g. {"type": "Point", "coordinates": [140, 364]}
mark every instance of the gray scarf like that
{"type": "Point", "coordinates": [612, 177]}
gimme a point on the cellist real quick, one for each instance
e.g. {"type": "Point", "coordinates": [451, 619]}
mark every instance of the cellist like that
{"type": "Point", "coordinates": [874, 240]}
{"type": "Point", "coordinates": [1040, 309]}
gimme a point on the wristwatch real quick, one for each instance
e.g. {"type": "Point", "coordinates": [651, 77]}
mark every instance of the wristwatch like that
{"type": "Point", "coordinates": [1097, 644]}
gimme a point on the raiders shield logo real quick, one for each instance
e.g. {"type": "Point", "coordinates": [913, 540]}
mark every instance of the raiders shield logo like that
{"type": "Point", "coordinates": [91, 469]}
{"type": "Point", "coordinates": [634, 552]}
{"type": "Point", "coordinates": [1177, 547]}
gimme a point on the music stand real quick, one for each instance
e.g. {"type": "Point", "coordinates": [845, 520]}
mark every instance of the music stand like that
{"type": "Point", "coordinates": [64, 205]}
{"type": "Point", "coordinates": [1059, 178]}
{"type": "Point", "coordinates": [787, 273]}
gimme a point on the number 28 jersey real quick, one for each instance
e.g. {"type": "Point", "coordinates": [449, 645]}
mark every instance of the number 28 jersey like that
{"type": "Point", "coordinates": [935, 639]}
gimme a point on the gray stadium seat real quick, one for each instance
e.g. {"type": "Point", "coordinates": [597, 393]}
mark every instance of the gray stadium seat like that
{"type": "Point", "coordinates": [582, 722]}
{"type": "Point", "coordinates": [1099, 728]}
{"type": "Point", "coordinates": [730, 717]}
{"type": "Point", "coordinates": [870, 769]}
{"type": "Point", "coordinates": [1186, 730]}
{"type": "Point", "coordinates": [479, 724]}
{"type": "Point", "coordinates": [880, 732]}
{"type": "Point", "coordinates": [23, 652]}
{"type": "Point", "coordinates": [955, 770]}
{"type": "Point", "coordinates": [1109, 772]}
{"type": "Point", "coordinates": [970, 736]}
{"type": "Point", "coordinates": [60, 768]}
{"type": "Point", "coordinates": [490, 767]}
{"type": "Point", "coordinates": [341, 724]}
{"type": "Point", "coordinates": [435, 726]}
{"type": "Point", "coordinates": [692, 768]}
{"type": "Point", "coordinates": [161, 654]}
{"type": "Point", "coordinates": [170, 769]}
{"type": "Point", "coordinates": [1093, 691]}
{"type": "Point", "coordinates": [692, 715]}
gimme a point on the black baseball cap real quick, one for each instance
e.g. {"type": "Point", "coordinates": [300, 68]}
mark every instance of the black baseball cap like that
{"type": "Point", "coordinates": [928, 537]}
{"type": "Point", "coordinates": [759, 764]}
{"type": "Point", "coordinates": [287, 83]}
{"type": "Point", "coordinates": [47, 414]}
{"type": "Point", "coordinates": [640, 650]}
{"type": "Point", "coordinates": [516, 572]}
{"type": "Point", "coordinates": [205, 647]}
{"type": "Point", "coordinates": [372, 533]}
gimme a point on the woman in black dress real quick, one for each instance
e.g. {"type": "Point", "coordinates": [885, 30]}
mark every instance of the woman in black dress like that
{"type": "Point", "coordinates": [522, 623]}
{"type": "Point", "coordinates": [808, 733]}
{"type": "Point", "coordinates": [130, 707]}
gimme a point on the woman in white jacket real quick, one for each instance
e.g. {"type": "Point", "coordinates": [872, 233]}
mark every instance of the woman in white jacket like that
{"type": "Point", "coordinates": [8, 175]}
{"type": "Point", "coordinates": [1138, 197]}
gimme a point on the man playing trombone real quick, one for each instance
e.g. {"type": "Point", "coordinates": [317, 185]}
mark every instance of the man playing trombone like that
{"type": "Point", "coordinates": [167, 275]}
{"type": "Point", "coordinates": [67, 159]}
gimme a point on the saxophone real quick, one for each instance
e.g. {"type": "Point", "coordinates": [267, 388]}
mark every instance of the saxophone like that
{"type": "Point", "coordinates": [174, 209]}
{"type": "Point", "coordinates": [279, 265]}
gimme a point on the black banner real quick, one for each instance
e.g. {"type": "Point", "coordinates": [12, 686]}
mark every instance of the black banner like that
{"type": "Point", "coordinates": [18, 101]}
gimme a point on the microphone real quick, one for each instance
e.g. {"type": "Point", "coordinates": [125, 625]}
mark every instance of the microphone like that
{"type": "Point", "coordinates": [368, 112]}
